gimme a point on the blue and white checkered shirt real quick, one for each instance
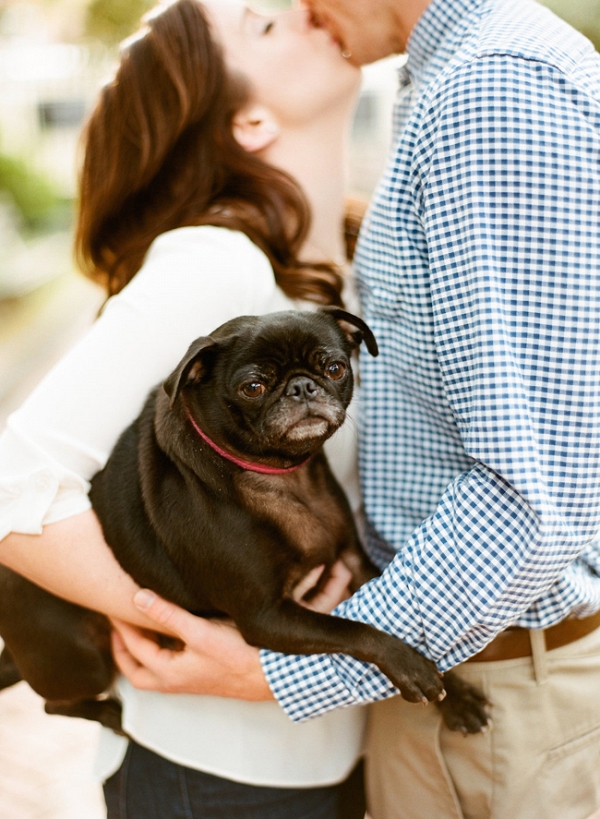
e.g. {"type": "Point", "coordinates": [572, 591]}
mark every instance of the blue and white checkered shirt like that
{"type": "Point", "coordinates": [479, 267]}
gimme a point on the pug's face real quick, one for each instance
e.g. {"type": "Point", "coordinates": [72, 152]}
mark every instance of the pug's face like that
{"type": "Point", "coordinates": [270, 386]}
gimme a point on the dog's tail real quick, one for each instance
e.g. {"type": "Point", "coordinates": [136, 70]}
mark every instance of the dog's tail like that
{"type": "Point", "coordinates": [9, 673]}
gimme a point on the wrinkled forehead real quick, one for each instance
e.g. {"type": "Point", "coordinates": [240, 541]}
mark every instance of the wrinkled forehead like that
{"type": "Point", "coordinates": [301, 342]}
{"type": "Point", "coordinates": [278, 342]}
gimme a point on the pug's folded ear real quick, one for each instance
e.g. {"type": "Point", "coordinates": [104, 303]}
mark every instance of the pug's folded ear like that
{"type": "Point", "coordinates": [191, 368]}
{"type": "Point", "coordinates": [354, 328]}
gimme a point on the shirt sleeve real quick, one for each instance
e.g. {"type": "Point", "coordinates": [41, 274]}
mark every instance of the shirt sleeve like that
{"type": "Point", "coordinates": [506, 174]}
{"type": "Point", "coordinates": [193, 280]}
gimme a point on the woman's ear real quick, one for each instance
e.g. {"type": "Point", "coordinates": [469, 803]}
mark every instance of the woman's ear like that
{"type": "Point", "coordinates": [255, 128]}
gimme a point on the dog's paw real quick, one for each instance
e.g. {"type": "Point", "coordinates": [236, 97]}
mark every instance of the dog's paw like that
{"type": "Point", "coordinates": [416, 677]}
{"type": "Point", "coordinates": [465, 707]}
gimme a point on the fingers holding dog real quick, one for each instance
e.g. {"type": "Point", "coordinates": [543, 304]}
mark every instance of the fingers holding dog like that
{"type": "Point", "coordinates": [335, 590]}
{"type": "Point", "coordinates": [323, 594]}
{"type": "Point", "coordinates": [215, 659]}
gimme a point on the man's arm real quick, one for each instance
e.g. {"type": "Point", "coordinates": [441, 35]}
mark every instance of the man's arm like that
{"type": "Point", "coordinates": [508, 174]}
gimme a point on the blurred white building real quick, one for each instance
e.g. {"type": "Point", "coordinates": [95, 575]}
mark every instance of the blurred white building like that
{"type": "Point", "coordinates": [371, 129]}
{"type": "Point", "coordinates": [46, 88]}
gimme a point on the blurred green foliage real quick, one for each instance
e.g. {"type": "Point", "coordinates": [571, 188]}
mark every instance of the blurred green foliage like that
{"type": "Point", "coordinates": [33, 196]}
{"type": "Point", "coordinates": [113, 20]}
{"type": "Point", "coordinates": [581, 14]}
{"type": "Point", "coordinates": [277, 4]}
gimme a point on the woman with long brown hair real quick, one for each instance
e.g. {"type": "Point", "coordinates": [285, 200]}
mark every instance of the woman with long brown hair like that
{"type": "Point", "coordinates": [212, 185]}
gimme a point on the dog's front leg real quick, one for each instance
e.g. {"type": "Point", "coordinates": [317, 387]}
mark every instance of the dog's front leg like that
{"type": "Point", "coordinates": [465, 707]}
{"type": "Point", "coordinates": [290, 628]}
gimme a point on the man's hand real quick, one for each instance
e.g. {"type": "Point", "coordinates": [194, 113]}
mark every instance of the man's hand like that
{"type": "Point", "coordinates": [215, 658]}
{"type": "Point", "coordinates": [335, 590]}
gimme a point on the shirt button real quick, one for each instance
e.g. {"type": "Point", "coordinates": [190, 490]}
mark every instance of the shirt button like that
{"type": "Point", "coordinates": [403, 77]}
{"type": "Point", "coordinates": [42, 484]}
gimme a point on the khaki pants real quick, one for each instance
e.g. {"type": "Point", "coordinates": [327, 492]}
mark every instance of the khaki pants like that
{"type": "Point", "coordinates": [540, 761]}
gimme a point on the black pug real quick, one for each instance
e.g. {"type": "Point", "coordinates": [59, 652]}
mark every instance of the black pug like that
{"type": "Point", "coordinates": [219, 498]}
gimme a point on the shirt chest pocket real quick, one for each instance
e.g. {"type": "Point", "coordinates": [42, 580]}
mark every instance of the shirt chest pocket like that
{"type": "Point", "coordinates": [392, 263]}
{"type": "Point", "coordinates": [395, 294]}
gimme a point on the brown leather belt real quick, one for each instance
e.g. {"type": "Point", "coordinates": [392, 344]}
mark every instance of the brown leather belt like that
{"type": "Point", "coordinates": [514, 642]}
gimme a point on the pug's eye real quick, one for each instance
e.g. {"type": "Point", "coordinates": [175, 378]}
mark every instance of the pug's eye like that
{"type": "Point", "coordinates": [335, 371]}
{"type": "Point", "coordinates": [254, 389]}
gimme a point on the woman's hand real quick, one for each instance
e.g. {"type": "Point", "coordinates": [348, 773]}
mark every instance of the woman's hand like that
{"type": "Point", "coordinates": [215, 658]}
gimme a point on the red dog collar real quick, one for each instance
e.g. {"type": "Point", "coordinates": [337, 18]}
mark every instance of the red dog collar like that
{"type": "Point", "coordinates": [251, 467]}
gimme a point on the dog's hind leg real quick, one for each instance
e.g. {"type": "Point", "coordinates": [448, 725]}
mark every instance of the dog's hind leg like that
{"type": "Point", "coordinates": [9, 673]}
{"type": "Point", "coordinates": [106, 711]}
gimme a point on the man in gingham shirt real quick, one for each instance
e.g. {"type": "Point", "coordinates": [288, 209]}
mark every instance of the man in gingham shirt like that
{"type": "Point", "coordinates": [479, 268]}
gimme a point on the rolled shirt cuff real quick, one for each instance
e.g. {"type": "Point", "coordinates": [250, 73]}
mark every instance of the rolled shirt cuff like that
{"type": "Point", "coordinates": [306, 686]}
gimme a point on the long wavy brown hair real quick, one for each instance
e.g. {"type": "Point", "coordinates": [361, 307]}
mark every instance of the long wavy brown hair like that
{"type": "Point", "coordinates": [159, 154]}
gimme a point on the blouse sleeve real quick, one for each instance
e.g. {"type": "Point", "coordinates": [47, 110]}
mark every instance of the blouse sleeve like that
{"type": "Point", "coordinates": [193, 280]}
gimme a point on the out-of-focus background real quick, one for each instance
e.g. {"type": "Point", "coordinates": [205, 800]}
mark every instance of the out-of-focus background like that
{"type": "Point", "coordinates": [54, 56]}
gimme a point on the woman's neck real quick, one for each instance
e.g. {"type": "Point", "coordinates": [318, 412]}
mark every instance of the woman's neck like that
{"type": "Point", "coordinates": [316, 158]}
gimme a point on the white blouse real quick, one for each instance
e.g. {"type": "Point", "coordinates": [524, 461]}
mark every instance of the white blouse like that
{"type": "Point", "coordinates": [193, 280]}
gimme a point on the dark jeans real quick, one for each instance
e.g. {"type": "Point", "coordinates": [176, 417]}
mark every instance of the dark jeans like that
{"type": "Point", "coordinates": [147, 786]}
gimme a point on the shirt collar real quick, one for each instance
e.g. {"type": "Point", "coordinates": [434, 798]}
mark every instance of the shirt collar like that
{"type": "Point", "coordinates": [434, 26]}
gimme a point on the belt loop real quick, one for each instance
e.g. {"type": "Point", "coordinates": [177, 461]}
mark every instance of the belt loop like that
{"type": "Point", "coordinates": [538, 654]}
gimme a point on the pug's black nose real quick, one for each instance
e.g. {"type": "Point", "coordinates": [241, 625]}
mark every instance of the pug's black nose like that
{"type": "Point", "coordinates": [301, 388]}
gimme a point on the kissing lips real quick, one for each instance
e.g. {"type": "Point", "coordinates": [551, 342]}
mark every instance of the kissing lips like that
{"type": "Point", "coordinates": [318, 21]}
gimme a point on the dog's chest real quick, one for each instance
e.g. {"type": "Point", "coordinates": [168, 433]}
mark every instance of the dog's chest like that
{"type": "Point", "coordinates": [312, 520]}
